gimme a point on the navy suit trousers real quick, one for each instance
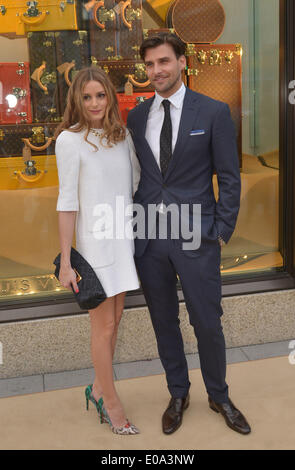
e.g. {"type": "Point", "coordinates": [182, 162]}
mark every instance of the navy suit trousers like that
{"type": "Point", "coordinates": [200, 278]}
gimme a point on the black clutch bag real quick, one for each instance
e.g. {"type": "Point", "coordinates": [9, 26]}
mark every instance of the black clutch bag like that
{"type": "Point", "coordinates": [91, 293]}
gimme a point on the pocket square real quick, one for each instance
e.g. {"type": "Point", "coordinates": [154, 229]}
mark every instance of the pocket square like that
{"type": "Point", "coordinates": [198, 132]}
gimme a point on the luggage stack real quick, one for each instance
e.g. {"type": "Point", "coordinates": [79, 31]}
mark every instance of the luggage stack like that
{"type": "Point", "coordinates": [33, 94]}
{"type": "Point", "coordinates": [212, 69]}
{"type": "Point", "coordinates": [63, 37]}
{"type": "Point", "coordinates": [115, 36]}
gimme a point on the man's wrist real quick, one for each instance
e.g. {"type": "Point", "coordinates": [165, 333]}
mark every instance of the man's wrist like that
{"type": "Point", "coordinates": [221, 241]}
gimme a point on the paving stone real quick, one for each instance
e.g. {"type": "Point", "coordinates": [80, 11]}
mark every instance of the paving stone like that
{"type": "Point", "coordinates": [21, 386]}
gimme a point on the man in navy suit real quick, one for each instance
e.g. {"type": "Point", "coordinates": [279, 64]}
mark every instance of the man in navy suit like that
{"type": "Point", "coordinates": [180, 138]}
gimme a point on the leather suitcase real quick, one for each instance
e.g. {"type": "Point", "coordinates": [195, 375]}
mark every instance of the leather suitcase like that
{"type": "Point", "coordinates": [39, 137]}
{"type": "Point", "coordinates": [216, 71]}
{"type": "Point", "coordinates": [103, 27]}
{"type": "Point", "coordinates": [21, 16]}
{"type": "Point", "coordinates": [44, 89]}
{"type": "Point", "coordinates": [130, 29]}
{"type": "Point", "coordinates": [120, 72]}
{"type": "Point", "coordinates": [72, 54]}
{"type": "Point", "coordinates": [40, 172]}
{"type": "Point", "coordinates": [15, 96]}
{"type": "Point", "coordinates": [147, 33]}
{"type": "Point", "coordinates": [128, 102]}
{"type": "Point", "coordinates": [116, 29]}
{"type": "Point", "coordinates": [196, 21]}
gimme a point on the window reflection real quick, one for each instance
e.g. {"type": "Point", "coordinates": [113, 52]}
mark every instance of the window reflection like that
{"type": "Point", "coordinates": [29, 232]}
{"type": "Point", "coordinates": [11, 100]}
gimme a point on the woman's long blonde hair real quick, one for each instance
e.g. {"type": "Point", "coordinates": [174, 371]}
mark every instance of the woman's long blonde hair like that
{"type": "Point", "coordinates": [114, 130]}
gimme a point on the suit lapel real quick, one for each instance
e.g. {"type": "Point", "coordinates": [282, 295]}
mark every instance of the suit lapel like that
{"type": "Point", "coordinates": [146, 106]}
{"type": "Point", "coordinates": [188, 118]}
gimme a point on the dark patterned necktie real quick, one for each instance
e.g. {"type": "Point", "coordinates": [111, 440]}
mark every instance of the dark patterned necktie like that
{"type": "Point", "coordinates": [166, 138]}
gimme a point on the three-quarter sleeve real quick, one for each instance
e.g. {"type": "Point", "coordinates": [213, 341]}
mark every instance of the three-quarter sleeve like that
{"type": "Point", "coordinates": [68, 163]}
{"type": "Point", "coordinates": [136, 170]}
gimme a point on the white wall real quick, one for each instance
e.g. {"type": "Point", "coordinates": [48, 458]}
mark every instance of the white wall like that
{"type": "Point", "coordinates": [13, 50]}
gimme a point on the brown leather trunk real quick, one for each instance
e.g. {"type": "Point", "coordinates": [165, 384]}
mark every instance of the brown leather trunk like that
{"type": "Point", "coordinates": [44, 89]}
{"type": "Point", "coordinates": [39, 138]}
{"type": "Point", "coordinates": [122, 71]}
{"type": "Point", "coordinates": [216, 71]}
{"type": "Point", "coordinates": [197, 21]}
{"type": "Point", "coordinates": [72, 55]}
{"type": "Point", "coordinates": [147, 33]}
{"type": "Point", "coordinates": [116, 29]}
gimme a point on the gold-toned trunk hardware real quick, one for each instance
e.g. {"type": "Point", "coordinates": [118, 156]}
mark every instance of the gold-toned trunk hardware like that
{"type": "Point", "coordinates": [43, 78]}
{"type": "Point", "coordinates": [215, 57]}
{"type": "Point", "coordinates": [30, 174]}
{"type": "Point", "coordinates": [191, 72]}
{"type": "Point", "coordinates": [37, 138]}
{"type": "Point", "coordinates": [101, 15]}
{"type": "Point", "coordinates": [19, 93]}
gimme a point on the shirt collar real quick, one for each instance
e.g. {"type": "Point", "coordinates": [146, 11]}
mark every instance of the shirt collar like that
{"type": "Point", "coordinates": [176, 99]}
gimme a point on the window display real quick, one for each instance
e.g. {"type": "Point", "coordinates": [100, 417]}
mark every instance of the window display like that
{"type": "Point", "coordinates": [218, 69]}
{"type": "Point", "coordinates": [232, 56]}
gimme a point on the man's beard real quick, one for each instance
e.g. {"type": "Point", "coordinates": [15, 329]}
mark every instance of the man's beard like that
{"type": "Point", "coordinates": [169, 86]}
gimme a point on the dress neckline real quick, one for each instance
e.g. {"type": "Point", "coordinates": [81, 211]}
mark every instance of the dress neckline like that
{"type": "Point", "coordinates": [96, 131]}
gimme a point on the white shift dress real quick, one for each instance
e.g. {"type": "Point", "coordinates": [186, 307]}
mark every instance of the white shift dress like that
{"type": "Point", "coordinates": [98, 185]}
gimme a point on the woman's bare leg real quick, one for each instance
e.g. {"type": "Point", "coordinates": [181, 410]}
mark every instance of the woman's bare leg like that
{"type": "Point", "coordinates": [119, 307]}
{"type": "Point", "coordinates": [104, 326]}
{"type": "Point", "coordinates": [102, 320]}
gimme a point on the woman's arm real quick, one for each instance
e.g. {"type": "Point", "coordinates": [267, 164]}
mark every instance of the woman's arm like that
{"type": "Point", "coordinates": [136, 170]}
{"type": "Point", "coordinates": [68, 164]}
{"type": "Point", "coordinates": [66, 225]}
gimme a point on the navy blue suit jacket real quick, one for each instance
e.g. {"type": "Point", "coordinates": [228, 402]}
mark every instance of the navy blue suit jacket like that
{"type": "Point", "coordinates": [188, 179]}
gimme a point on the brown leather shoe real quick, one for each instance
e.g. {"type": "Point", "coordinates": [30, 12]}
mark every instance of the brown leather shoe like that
{"type": "Point", "coordinates": [233, 417]}
{"type": "Point", "coordinates": [172, 418]}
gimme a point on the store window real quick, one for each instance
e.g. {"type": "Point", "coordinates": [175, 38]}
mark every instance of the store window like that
{"type": "Point", "coordinates": [37, 64]}
{"type": "Point", "coordinates": [241, 68]}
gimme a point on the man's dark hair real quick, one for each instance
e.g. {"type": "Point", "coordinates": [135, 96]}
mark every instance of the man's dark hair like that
{"type": "Point", "coordinates": [175, 42]}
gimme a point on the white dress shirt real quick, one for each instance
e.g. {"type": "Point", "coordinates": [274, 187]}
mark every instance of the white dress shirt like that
{"type": "Point", "coordinates": [156, 119]}
{"type": "Point", "coordinates": [153, 130]}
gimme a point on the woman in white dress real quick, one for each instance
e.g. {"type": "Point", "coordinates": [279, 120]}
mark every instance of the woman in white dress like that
{"type": "Point", "coordinates": [93, 154]}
